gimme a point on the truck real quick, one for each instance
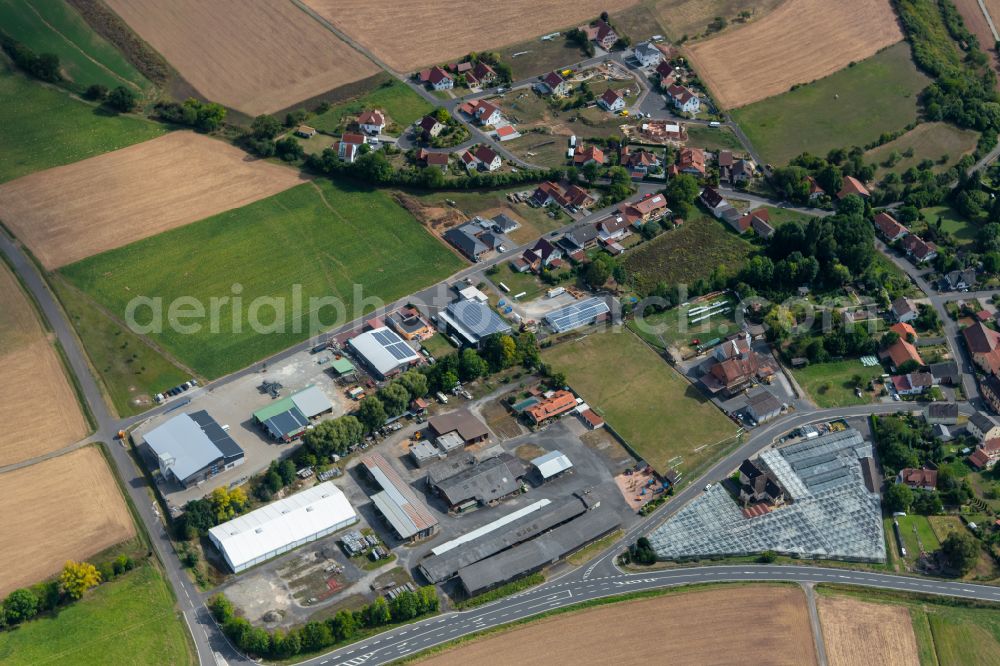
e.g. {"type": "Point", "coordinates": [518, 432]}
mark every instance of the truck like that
{"type": "Point", "coordinates": [442, 398]}
{"type": "Point", "coordinates": [558, 291]}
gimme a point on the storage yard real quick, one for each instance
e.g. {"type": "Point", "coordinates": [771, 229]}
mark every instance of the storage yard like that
{"type": "Point", "coordinates": [255, 56]}
{"type": "Point", "coordinates": [762, 624]}
{"type": "Point", "coordinates": [75, 211]}
{"type": "Point", "coordinates": [43, 414]}
{"type": "Point", "coordinates": [49, 518]}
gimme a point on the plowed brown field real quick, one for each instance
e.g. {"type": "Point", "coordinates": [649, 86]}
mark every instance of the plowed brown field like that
{"type": "Point", "coordinates": [799, 42]}
{"type": "Point", "coordinates": [69, 507]}
{"type": "Point", "coordinates": [756, 624]}
{"type": "Point", "coordinates": [857, 633]}
{"type": "Point", "coordinates": [39, 410]}
{"type": "Point", "coordinates": [74, 211]}
{"type": "Point", "coordinates": [256, 56]}
{"type": "Point", "coordinates": [431, 31]}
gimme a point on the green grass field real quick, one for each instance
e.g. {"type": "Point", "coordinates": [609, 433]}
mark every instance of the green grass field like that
{"type": "Point", "coordinates": [132, 372]}
{"type": "Point", "coordinates": [131, 620]}
{"type": "Point", "coordinates": [397, 99]}
{"type": "Point", "coordinates": [665, 327]}
{"type": "Point", "coordinates": [849, 108]}
{"type": "Point", "coordinates": [686, 254]}
{"type": "Point", "coordinates": [713, 138]}
{"type": "Point", "coordinates": [666, 420]}
{"type": "Point", "coordinates": [952, 222]}
{"type": "Point", "coordinates": [438, 346]}
{"type": "Point", "coordinates": [928, 141]}
{"type": "Point", "coordinates": [831, 384]}
{"type": "Point", "coordinates": [323, 237]}
{"type": "Point", "coordinates": [42, 127]}
{"type": "Point", "coordinates": [55, 27]}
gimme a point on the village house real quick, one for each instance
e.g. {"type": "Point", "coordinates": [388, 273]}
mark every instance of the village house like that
{"type": "Point", "coordinates": [581, 237]}
{"type": "Point", "coordinates": [662, 131]}
{"type": "Point", "coordinates": [815, 191]}
{"type": "Point", "coordinates": [372, 122]}
{"type": "Point", "coordinates": [429, 126]}
{"type": "Point", "coordinates": [983, 427]}
{"type": "Point", "coordinates": [437, 78]}
{"type": "Point", "coordinates": [945, 372]}
{"type": "Point", "coordinates": [912, 384]}
{"type": "Point", "coordinates": [903, 310]}
{"type": "Point", "coordinates": [889, 228]}
{"type": "Point", "coordinates": [435, 159]}
{"type": "Point", "coordinates": [482, 74]}
{"type": "Point", "coordinates": [542, 254]}
{"type": "Point", "coordinates": [646, 54]}
{"type": "Point", "coordinates": [583, 156]}
{"type": "Point", "coordinates": [742, 172]}
{"type": "Point", "coordinates": [983, 344]}
{"type": "Point", "coordinates": [601, 33]}
{"type": "Point", "coordinates": [506, 133]}
{"type": "Point", "coordinates": [918, 250]}
{"type": "Point", "coordinates": [639, 162]}
{"type": "Point", "coordinates": [612, 229]}
{"type": "Point", "coordinates": [900, 352]}
{"type": "Point", "coordinates": [553, 83]}
{"type": "Point", "coordinates": [759, 220]}
{"type": "Point", "coordinates": [958, 280]}
{"type": "Point", "coordinates": [612, 101]}
{"type": "Point", "coordinates": [921, 479]}
{"type": "Point", "coordinates": [683, 99]}
{"type": "Point", "coordinates": [549, 192]}
{"type": "Point", "coordinates": [986, 454]}
{"type": "Point", "coordinates": [733, 366]}
{"type": "Point", "coordinates": [989, 388]}
{"type": "Point", "coordinates": [552, 406]}
{"type": "Point", "coordinates": [691, 161]}
{"type": "Point", "coordinates": [485, 113]}
{"type": "Point", "coordinates": [853, 186]}
{"type": "Point", "coordinates": [943, 413]}
{"type": "Point", "coordinates": [650, 208]}
{"type": "Point", "coordinates": [666, 73]}
{"type": "Point", "coordinates": [714, 201]}
{"type": "Point", "coordinates": [759, 484]}
{"type": "Point", "coordinates": [488, 158]}
{"type": "Point", "coordinates": [349, 146]}
{"type": "Point", "coordinates": [724, 160]}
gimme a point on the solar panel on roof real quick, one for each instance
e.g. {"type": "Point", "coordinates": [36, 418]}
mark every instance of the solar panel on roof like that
{"type": "Point", "coordinates": [577, 314]}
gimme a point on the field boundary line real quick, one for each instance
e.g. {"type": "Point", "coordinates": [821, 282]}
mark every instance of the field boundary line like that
{"type": "Point", "coordinates": [989, 20]}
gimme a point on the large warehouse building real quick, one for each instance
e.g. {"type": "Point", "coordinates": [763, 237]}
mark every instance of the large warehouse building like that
{"type": "Point", "coordinates": [409, 518]}
{"type": "Point", "coordinates": [283, 525]}
{"type": "Point", "coordinates": [190, 448]}
{"type": "Point", "coordinates": [383, 351]}
{"type": "Point", "coordinates": [286, 419]}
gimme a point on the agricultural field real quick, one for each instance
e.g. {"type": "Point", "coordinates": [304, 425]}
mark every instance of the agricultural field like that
{"type": "Point", "coordinates": [850, 108]}
{"type": "Point", "coordinates": [832, 384]}
{"type": "Point", "coordinates": [858, 634]}
{"type": "Point", "coordinates": [691, 17]}
{"type": "Point", "coordinates": [964, 635]}
{"type": "Point", "coordinates": [131, 371]}
{"type": "Point", "coordinates": [398, 100]}
{"type": "Point", "coordinates": [42, 414]}
{"type": "Point", "coordinates": [689, 622]}
{"type": "Point", "coordinates": [785, 51]}
{"type": "Point", "coordinates": [928, 141]}
{"type": "Point", "coordinates": [131, 620]}
{"type": "Point", "coordinates": [73, 130]}
{"type": "Point", "coordinates": [254, 56]}
{"type": "Point", "coordinates": [318, 240]}
{"type": "Point", "coordinates": [433, 31]}
{"type": "Point", "coordinates": [686, 254]}
{"type": "Point", "coordinates": [46, 522]}
{"type": "Point", "coordinates": [642, 398]}
{"type": "Point", "coordinates": [84, 56]}
{"type": "Point", "coordinates": [78, 210]}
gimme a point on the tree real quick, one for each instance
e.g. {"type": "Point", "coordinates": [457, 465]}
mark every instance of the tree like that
{"type": "Point", "coordinates": [256, 641]}
{"type": "Point", "coordinates": [395, 398]}
{"type": "Point", "coordinates": [77, 578]}
{"type": "Point", "coordinates": [316, 636]}
{"type": "Point", "coordinates": [767, 557]}
{"type": "Point", "coordinates": [404, 607]}
{"type": "Point", "coordinates": [265, 127]}
{"type": "Point", "coordinates": [289, 149]}
{"type": "Point", "coordinates": [343, 625]}
{"type": "Point", "coordinates": [287, 472]}
{"type": "Point", "coordinates": [596, 274]}
{"type": "Point", "coordinates": [377, 613]}
{"type": "Point", "coordinates": [961, 551]}
{"type": "Point", "coordinates": [123, 99]}
{"type": "Point", "coordinates": [374, 167]}
{"type": "Point", "coordinates": [500, 351]}
{"type": "Point", "coordinates": [20, 605]}
{"type": "Point", "coordinates": [471, 365]}
{"type": "Point", "coordinates": [590, 172]}
{"type": "Point", "coordinates": [96, 93]}
{"type": "Point", "coordinates": [415, 382]}
{"type": "Point", "coordinates": [898, 497]}
{"type": "Point", "coordinates": [372, 413]}
{"type": "Point", "coordinates": [683, 188]}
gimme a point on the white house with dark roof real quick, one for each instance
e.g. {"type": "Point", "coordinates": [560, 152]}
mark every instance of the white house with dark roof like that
{"type": "Point", "coordinates": [612, 101]}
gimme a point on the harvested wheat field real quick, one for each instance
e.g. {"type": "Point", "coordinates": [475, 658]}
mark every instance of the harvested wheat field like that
{"type": "Point", "coordinates": [255, 56]}
{"type": "Point", "coordinates": [65, 508]}
{"type": "Point", "coordinates": [42, 414]}
{"type": "Point", "coordinates": [73, 211]}
{"type": "Point", "coordinates": [857, 633]}
{"type": "Point", "coordinates": [691, 17]}
{"type": "Point", "coordinates": [752, 624]}
{"type": "Point", "coordinates": [432, 31]}
{"type": "Point", "coordinates": [799, 42]}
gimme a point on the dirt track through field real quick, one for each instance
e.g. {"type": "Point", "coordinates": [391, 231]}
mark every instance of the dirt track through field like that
{"type": "Point", "coordinates": [71, 212]}
{"type": "Point", "coordinates": [754, 624]}
{"type": "Point", "coordinates": [39, 409]}
{"type": "Point", "coordinates": [857, 633]}
{"type": "Point", "coordinates": [257, 56]}
{"type": "Point", "coordinates": [432, 31]}
{"type": "Point", "coordinates": [69, 507]}
{"type": "Point", "coordinates": [799, 42]}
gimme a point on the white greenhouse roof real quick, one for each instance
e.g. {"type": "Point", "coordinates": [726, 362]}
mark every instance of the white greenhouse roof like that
{"type": "Point", "coordinates": [280, 523]}
{"type": "Point", "coordinates": [552, 463]}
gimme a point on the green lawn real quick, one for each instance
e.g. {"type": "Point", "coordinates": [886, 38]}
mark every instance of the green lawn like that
{"type": "Point", "coordinates": [668, 421]}
{"type": "Point", "coordinates": [518, 282]}
{"type": "Point", "coordinates": [55, 27]}
{"type": "Point", "coordinates": [849, 108]}
{"type": "Point", "coordinates": [665, 327]}
{"type": "Point", "coordinates": [924, 535]}
{"type": "Point", "coordinates": [781, 215]}
{"type": "Point", "coordinates": [713, 138]}
{"type": "Point", "coordinates": [438, 346]}
{"type": "Point", "coordinates": [132, 372]}
{"type": "Point", "coordinates": [952, 222]}
{"type": "Point", "coordinates": [686, 254]}
{"type": "Point", "coordinates": [131, 620]}
{"type": "Point", "coordinates": [397, 99]}
{"type": "Point", "coordinates": [832, 385]}
{"type": "Point", "coordinates": [320, 239]}
{"type": "Point", "coordinates": [43, 127]}
{"type": "Point", "coordinates": [928, 141]}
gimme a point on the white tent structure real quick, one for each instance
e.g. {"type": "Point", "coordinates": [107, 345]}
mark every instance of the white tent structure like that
{"type": "Point", "coordinates": [283, 525]}
{"type": "Point", "coordinates": [552, 464]}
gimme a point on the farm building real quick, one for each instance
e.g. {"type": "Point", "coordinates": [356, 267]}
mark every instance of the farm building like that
{"type": "Point", "coordinates": [286, 419]}
{"type": "Point", "coordinates": [384, 351]}
{"type": "Point", "coordinates": [552, 406]}
{"type": "Point", "coordinates": [763, 406]}
{"type": "Point", "coordinates": [461, 424]}
{"type": "Point", "coordinates": [578, 314]}
{"type": "Point", "coordinates": [944, 413]}
{"type": "Point", "coordinates": [282, 526]}
{"type": "Point", "coordinates": [409, 518]}
{"type": "Point", "coordinates": [467, 483]}
{"type": "Point", "coordinates": [472, 320]}
{"type": "Point", "coordinates": [190, 448]}
{"type": "Point", "coordinates": [551, 465]}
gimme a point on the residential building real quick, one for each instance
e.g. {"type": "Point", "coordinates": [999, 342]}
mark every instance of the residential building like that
{"type": "Point", "coordinates": [410, 324]}
{"type": "Point", "coordinates": [430, 126]}
{"type": "Point", "coordinates": [487, 158]}
{"type": "Point", "coordinates": [983, 427]}
{"type": "Point", "coordinates": [505, 224]}
{"type": "Point", "coordinates": [853, 186]}
{"type": "Point", "coordinates": [945, 413]}
{"type": "Point", "coordinates": [899, 353]}
{"type": "Point", "coordinates": [714, 201]}
{"type": "Point", "coordinates": [815, 191]}
{"type": "Point", "coordinates": [434, 159]}
{"type": "Point", "coordinates": [917, 249]}
{"type": "Point", "coordinates": [759, 484]}
{"type": "Point", "coordinates": [483, 74]}
{"type": "Point", "coordinates": [666, 73]}
{"type": "Point", "coordinates": [958, 280]}
{"type": "Point", "coordinates": [889, 228]}
{"type": "Point", "coordinates": [989, 388]}
{"type": "Point", "coordinates": [581, 237]}
{"type": "Point", "coordinates": [725, 163]}
{"type": "Point", "coordinates": [437, 78]}
{"type": "Point", "coordinates": [372, 122]}
{"type": "Point", "coordinates": [904, 331]}
{"type": "Point", "coordinates": [983, 344]}
{"type": "Point", "coordinates": [913, 383]}
{"type": "Point", "coordinates": [556, 404]}
{"type": "Point", "coordinates": [742, 172]}
{"type": "Point", "coordinates": [904, 310]}
{"type": "Point", "coordinates": [733, 366]}
{"type": "Point", "coordinates": [647, 209]}
{"type": "Point", "coordinates": [662, 131]}
{"type": "Point", "coordinates": [759, 220]}
{"type": "Point", "coordinates": [692, 161]}
{"type": "Point", "coordinates": [986, 454]}
{"type": "Point", "coordinates": [541, 255]}
{"type": "Point", "coordinates": [945, 372]}
{"type": "Point", "coordinates": [583, 156]}
{"type": "Point", "coordinates": [612, 229]}
{"type": "Point", "coordinates": [601, 33]}
{"type": "Point", "coordinates": [683, 99]}
{"type": "Point", "coordinates": [507, 133]}
{"type": "Point", "coordinates": [647, 55]}
{"type": "Point", "coordinates": [612, 101]}
{"type": "Point", "coordinates": [349, 146]}
{"type": "Point", "coordinates": [922, 479]}
{"type": "Point", "coordinates": [466, 239]}
{"type": "Point", "coordinates": [553, 83]}
{"type": "Point", "coordinates": [639, 162]}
